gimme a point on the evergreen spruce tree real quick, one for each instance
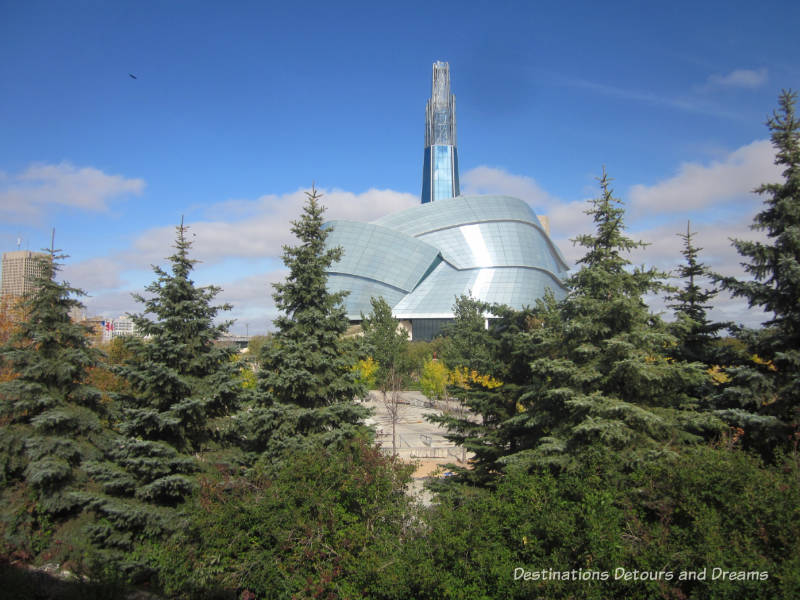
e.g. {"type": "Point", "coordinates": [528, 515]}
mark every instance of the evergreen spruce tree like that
{"type": "Point", "coordinates": [602, 374]}
{"type": "Point", "coordinates": [498, 363]}
{"type": "Point", "coordinates": [769, 387]}
{"type": "Point", "coordinates": [51, 421]}
{"type": "Point", "coordinates": [467, 341]}
{"type": "Point", "coordinates": [697, 334]}
{"type": "Point", "coordinates": [180, 381]}
{"type": "Point", "coordinates": [180, 378]}
{"type": "Point", "coordinates": [307, 384]}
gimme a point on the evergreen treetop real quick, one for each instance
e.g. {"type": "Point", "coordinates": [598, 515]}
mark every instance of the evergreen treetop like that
{"type": "Point", "coordinates": [775, 265]}
{"type": "Point", "coordinates": [600, 372]}
{"type": "Point", "coordinates": [605, 272]}
{"type": "Point", "coordinates": [695, 331]}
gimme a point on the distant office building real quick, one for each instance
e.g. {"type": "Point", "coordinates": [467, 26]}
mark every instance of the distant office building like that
{"type": "Point", "coordinates": [104, 330]}
{"type": "Point", "coordinates": [118, 327]}
{"type": "Point", "coordinates": [440, 166]}
{"type": "Point", "coordinates": [419, 260]}
{"type": "Point", "coordinates": [21, 269]}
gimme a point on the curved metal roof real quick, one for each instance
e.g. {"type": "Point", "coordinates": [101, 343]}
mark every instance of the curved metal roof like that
{"type": "Point", "coordinates": [371, 251]}
{"type": "Point", "coordinates": [422, 258]}
{"type": "Point", "coordinates": [514, 286]}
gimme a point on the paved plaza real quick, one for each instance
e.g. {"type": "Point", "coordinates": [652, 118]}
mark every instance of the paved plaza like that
{"type": "Point", "coordinates": [417, 440]}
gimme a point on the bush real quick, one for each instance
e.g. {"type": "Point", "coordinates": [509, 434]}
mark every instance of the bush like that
{"type": "Point", "coordinates": [325, 523]}
{"type": "Point", "coordinates": [709, 508]}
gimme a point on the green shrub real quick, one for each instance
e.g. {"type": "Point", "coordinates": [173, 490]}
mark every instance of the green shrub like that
{"type": "Point", "coordinates": [709, 508]}
{"type": "Point", "coordinates": [324, 523]}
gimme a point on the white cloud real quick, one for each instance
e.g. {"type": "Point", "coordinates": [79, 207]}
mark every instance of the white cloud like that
{"type": "Point", "coordinates": [566, 221]}
{"type": "Point", "coordinates": [266, 227]}
{"type": "Point", "coordinates": [723, 308]}
{"type": "Point", "coordinates": [111, 304]}
{"type": "Point", "coordinates": [741, 78]}
{"type": "Point", "coordinates": [93, 274]}
{"type": "Point", "coordinates": [253, 305]}
{"type": "Point", "coordinates": [718, 253]}
{"type": "Point", "coordinates": [238, 239]}
{"type": "Point", "coordinates": [252, 287]}
{"type": "Point", "coordinates": [697, 186]}
{"type": "Point", "coordinates": [24, 197]}
{"type": "Point", "coordinates": [492, 180]}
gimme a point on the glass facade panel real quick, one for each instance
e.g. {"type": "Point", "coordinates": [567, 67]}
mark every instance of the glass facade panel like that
{"type": "Point", "coordinates": [426, 176]}
{"type": "Point", "coordinates": [377, 253]}
{"type": "Point", "coordinates": [439, 173]}
{"type": "Point", "coordinates": [424, 330]}
{"type": "Point", "coordinates": [517, 287]}
{"type": "Point", "coordinates": [359, 292]}
{"type": "Point", "coordinates": [495, 244]}
{"type": "Point", "coordinates": [442, 172]}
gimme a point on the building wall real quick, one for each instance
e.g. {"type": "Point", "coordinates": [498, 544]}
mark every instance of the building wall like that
{"type": "Point", "coordinates": [21, 269]}
{"type": "Point", "coordinates": [118, 327]}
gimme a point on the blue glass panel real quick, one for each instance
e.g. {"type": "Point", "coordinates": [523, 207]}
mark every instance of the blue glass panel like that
{"type": "Point", "coordinates": [442, 172]}
{"type": "Point", "coordinates": [426, 176]}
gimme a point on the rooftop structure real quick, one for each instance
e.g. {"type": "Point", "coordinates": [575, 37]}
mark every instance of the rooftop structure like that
{"type": "Point", "coordinates": [440, 166]}
{"type": "Point", "coordinates": [21, 269]}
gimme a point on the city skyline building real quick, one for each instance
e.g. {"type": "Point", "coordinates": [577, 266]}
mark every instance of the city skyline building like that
{"type": "Point", "coordinates": [440, 160]}
{"type": "Point", "coordinates": [21, 269]}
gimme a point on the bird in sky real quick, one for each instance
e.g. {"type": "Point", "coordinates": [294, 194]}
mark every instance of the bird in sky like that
{"type": "Point", "coordinates": [132, 76]}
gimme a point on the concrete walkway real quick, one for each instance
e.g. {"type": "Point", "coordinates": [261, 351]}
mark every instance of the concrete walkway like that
{"type": "Point", "coordinates": [417, 439]}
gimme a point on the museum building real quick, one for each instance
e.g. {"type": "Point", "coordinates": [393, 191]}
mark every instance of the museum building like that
{"type": "Point", "coordinates": [421, 259]}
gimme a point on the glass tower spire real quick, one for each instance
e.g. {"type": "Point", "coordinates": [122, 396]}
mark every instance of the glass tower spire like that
{"type": "Point", "coordinates": [440, 167]}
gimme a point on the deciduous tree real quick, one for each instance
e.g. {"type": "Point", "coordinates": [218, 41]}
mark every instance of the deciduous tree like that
{"type": "Point", "coordinates": [387, 343]}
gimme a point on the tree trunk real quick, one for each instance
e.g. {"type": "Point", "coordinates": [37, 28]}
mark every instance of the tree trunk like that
{"type": "Point", "coordinates": [394, 423]}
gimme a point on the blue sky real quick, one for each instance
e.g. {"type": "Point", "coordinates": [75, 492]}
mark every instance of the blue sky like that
{"type": "Point", "coordinates": [238, 107]}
